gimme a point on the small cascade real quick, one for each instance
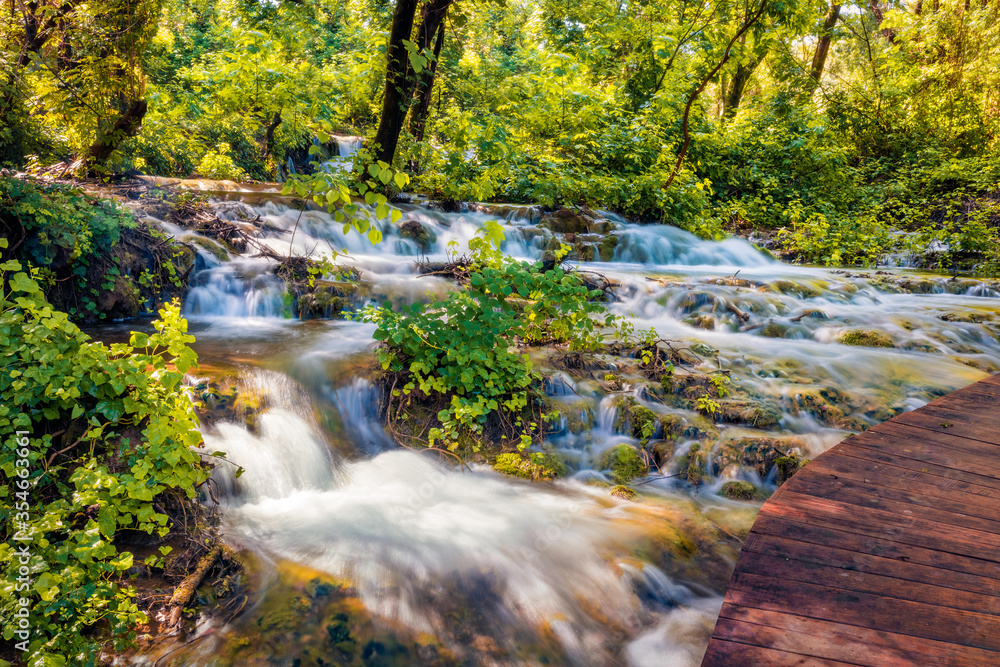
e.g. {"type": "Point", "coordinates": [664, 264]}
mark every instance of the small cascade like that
{"type": "Point", "coordinates": [666, 245]}
{"type": "Point", "coordinates": [235, 289]}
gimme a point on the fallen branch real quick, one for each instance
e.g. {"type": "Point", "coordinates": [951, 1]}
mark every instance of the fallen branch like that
{"type": "Point", "coordinates": [185, 591]}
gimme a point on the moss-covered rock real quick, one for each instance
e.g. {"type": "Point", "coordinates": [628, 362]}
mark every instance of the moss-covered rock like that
{"type": "Point", "coordinates": [788, 466]}
{"type": "Point", "coordinates": [740, 490]}
{"type": "Point", "coordinates": [749, 413]}
{"type": "Point", "coordinates": [607, 247]}
{"type": "Point", "coordinates": [758, 454]}
{"type": "Point", "coordinates": [624, 462]}
{"type": "Point", "coordinates": [416, 232]}
{"type": "Point", "coordinates": [692, 466]}
{"type": "Point", "coordinates": [774, 330]}
{"type": "Point", "coordinates": [866, 338]}
{"type": "Point", "coordinates": [536, 467]}
{"type": "Point", "coordinates": [623, 492]}
{"type": "Point", "coordinates": [634, 419]}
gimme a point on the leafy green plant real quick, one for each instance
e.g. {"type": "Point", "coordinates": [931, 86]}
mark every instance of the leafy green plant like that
{"type": "Point", "coordinates": [105, 437]}
{"type": "Point", "coordinates": [463, 351]}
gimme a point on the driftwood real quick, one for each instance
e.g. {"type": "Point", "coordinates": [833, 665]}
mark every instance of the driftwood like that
{"type": "Point", "coordinates": [185, 591]}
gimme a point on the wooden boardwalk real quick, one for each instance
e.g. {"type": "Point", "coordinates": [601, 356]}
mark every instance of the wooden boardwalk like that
{"type": "Point", "coordinates": [883, 551]}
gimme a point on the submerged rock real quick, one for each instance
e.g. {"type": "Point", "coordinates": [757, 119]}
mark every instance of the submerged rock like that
{"type": "Point", "coordinates": [865, 338]}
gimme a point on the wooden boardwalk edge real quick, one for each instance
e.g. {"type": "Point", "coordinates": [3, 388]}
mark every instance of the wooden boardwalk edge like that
{"type": "Point", "coordinates": [883, 551]}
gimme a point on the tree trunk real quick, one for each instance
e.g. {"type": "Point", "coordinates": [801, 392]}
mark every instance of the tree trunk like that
{"type": "Point", "coordinates": [749, 20]}
{"type": "Point", "coordinates": [269, 133]}
{"type": "Point", "coordinates": [823, 46]}
{"type": "Point", "coordinates": [734, 93]}
{"type": "Point", "coordinates": [127, 125]}
{"type": "Point", "coordinates": [395, 99]}
{"type": "Point", "coordinates": [425, 88]}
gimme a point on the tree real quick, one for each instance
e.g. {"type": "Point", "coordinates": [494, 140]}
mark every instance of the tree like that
{"type": "Point", "coordinates": [410, 68]}
{"type": "Point", "coordinates": [82, 63]}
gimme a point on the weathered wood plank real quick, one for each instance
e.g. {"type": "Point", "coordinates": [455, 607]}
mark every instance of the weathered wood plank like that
{"type": "Point", "coordinates": [873, 611]}
{"type": "Point", "coordinates": [908, 529]}
{"type": "Point", "coordinates": [850, 643]}
{"type": "Point", "coordinates": [735, 654]}
{"type": "Point", "coordinates": [883, 551]}
{"type": "Point", "coordinates": [850, 555]}
{"type": "Point", "coordinates": [904, 503]}
{"type": "Point", "coordinates": [869, 545]}
{"type": "Point", "coordinates": [797, 569]}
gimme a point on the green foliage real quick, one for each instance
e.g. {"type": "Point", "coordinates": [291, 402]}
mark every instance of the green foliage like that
{"type": "Point", "coordinates": [60, 224]}
{"type": "Point", "coordinates": [218, 164]}
{"type": "Point", "coordinates": [108, 439]}
{"type": "Point", "coordinates": [624, 462]}
{"type": "Point", "coordinates": [464, 349]}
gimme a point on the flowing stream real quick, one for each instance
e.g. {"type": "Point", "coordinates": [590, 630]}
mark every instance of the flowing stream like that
{"type": "Point", "coordinates": [367, 553]}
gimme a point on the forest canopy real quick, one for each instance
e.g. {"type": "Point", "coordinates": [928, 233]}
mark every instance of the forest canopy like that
{"type": "Point", "coordinates": [837, 123]}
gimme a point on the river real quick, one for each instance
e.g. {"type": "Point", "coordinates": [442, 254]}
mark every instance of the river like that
{"type": "Point", "coordinates": [363, 552]}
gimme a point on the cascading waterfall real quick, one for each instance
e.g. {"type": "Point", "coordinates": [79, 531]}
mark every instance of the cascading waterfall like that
{"type": "Point", "coordinates": [557, 566]}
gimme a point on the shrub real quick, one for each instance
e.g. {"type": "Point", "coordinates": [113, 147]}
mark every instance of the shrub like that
{"type": "Point", "coordinates": [463, 351]}
{"type": "Point", "coordinates": [98, 439]}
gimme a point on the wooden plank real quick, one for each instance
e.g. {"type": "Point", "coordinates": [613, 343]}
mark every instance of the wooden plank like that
{"type": "Point", "coordinates": [887, 614]}
{"type": "Point", "coordinates": [951, 422]}
{"type": "Point", "coordinates": [901, 502]}
{"type": "Point", "coordinates": [866, 582]}
{"type": "Point", "coordinates": [904, 437]}
{"type": "Point", "coordinates": [932, 448]}
{"type": "Point", "coordinates": [861, 561]}
{"type": "Point", "coordinates": [977, 500]}
{"type": "Point", "coordinates": [895, 472]}
{"type": "Point", "coordinates": [915, 461]}
{"type": "Point", "coordinates": [909, 529]}
{"type": "Point", "coordinates": [849, 643]}
{"type": "Point", "coordinates": [735, 654]}
{"type": "Point", "coordinates": [883, 551]}
{"type": "Point", "coordinates": [868, 545]}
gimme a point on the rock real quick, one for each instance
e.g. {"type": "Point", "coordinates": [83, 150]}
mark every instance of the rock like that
{"type": "Point", "coordinates": [623, 492]}
{"type": "Point", "coordinates": [635, 420]}
{"type": "Point", "coordinates": [624, 462]}
{"type": "Point", "coordinates": [865, 338]}
{"type": "Point", "coordinates": [536, 467]}
{"type": "Point", "coordinates": [774, 330]}
{"type": "Point", "coordinates": [416, 232]}
{"type": "Point", "coordinates": [758, 454]}
{"type": "Point", "coordinates": [586, 252]}
{"type": "Point", "coordinates": [746, 412]}
{"type": "Point", "coordinates": [607, 247]}
{"type": "Point", "coordinates": [567, 221]}
{"type": "Point", "coordinates": [788, 466]}
{"type": "Point", "coordinates": [692, 466]}
{"type": "Point", "coordinates": [740, 490]}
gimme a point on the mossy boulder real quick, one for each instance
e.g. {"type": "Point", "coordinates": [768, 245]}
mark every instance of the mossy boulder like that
{"type": "Point", "coordinates": [623, 492]}
{"type": "Point", "coordinates": [567, 221]}
{"type": "Point", "coordinates": [635, 420]}
{"type": "Point", "coordinates": [419, 234]}
{"type": "Point", "coordinates": [539, 466]}
{"type": "Point", "coordinates": [607, 247]}
{"type": "Point", "coordinates": [740, 490]}
{"type": "Point", "coordinates": [624, 462]}
{"type": "Point", "coordinates": [866, 338]}
{"type": "Point", "coordinates": [758, 454]}
{"type": "Point", "coordinates": [774, 330]}
{"type": "Point", "coordinates": [749, 413]}
{"type": "Point", "coordinates": [692, 466]}
{"type": "Point", "coordinates": [788, 466]}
